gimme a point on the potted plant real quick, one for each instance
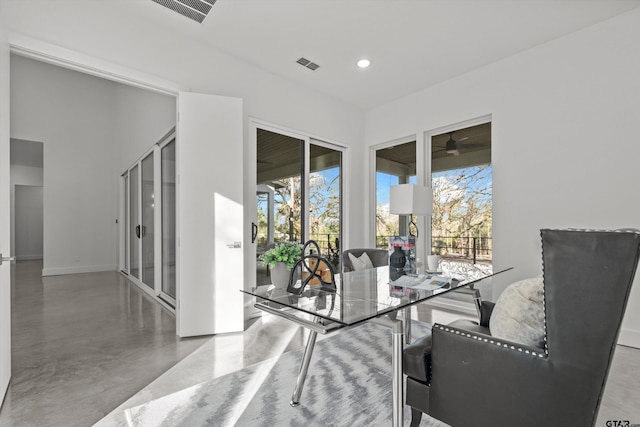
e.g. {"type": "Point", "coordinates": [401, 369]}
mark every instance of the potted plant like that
{"type": "Point", "coordinates": [281, 260]}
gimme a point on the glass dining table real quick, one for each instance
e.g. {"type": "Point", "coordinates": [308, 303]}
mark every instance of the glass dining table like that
{"type": "Point", "coordinates": [358, 297]}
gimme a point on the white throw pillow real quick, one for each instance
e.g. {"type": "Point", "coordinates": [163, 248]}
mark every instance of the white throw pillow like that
{"type": "Point", "coordinates": [519, 313]}
{"type": "Point", "coordinates": [361, 263]}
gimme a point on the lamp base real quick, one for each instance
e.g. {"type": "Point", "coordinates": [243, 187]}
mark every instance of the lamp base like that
{"type": "Point", "coordinates": [412, 223]}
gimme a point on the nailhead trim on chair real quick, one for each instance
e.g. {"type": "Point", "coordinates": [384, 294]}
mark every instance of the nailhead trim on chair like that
{"type": "Point", "coordinates": [506, 345]}
{"type": "Point", "coordinates": [588, 230]}
{"type": "Point", "coordinates": [545, 352]}
{"type": "Point", "coordinates": [544, 301]}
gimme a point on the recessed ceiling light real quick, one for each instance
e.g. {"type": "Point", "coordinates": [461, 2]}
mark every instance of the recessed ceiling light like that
{"type": "Point", "coordinates": [363, 63]}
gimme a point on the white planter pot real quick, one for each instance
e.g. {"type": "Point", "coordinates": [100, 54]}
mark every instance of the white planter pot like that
{"type": "Point", "coordinates": [280, 275]}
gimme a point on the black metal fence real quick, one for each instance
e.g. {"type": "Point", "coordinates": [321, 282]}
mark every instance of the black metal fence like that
{"type": "Point", "coordinates": [468, 248]}
{"type": "Point", "coordinates": [329, 246]}
{"type": "Point", "coordinates": [474, 249]}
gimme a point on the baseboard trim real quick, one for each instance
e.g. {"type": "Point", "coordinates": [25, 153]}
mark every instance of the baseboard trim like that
{"type": "Point", "coordinates": [629, 338]}
{"type": "Point", "coordinates": [59, 271]}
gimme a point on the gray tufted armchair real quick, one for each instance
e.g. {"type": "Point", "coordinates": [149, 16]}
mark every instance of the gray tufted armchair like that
{"type": "Point", "coordinates": [463, 376]}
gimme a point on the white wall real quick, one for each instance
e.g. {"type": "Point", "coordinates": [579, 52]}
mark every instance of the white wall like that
{"type": "Point", "coordinates": [90, 128]}
{"type": "Point", "coordinates": [564, 134]}
{"type": "Point", "coordinates": [61, 30]}
{"type": "Point", "coordinates": [72, 114]}
{"type": "Point", "coordinates": [27, 175]}
{"type": "Point", "coordinates": [143, 117]}
{"type": "Point", "coordinates": [141, 51]}
{"type": "Point", "coordinates": [29, 222]}
{"type": "Point", "coordinates": [195, 66]}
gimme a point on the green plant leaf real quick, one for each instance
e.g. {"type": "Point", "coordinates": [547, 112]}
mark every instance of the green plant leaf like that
{"type": "Point", "coordinates": [287, 252]}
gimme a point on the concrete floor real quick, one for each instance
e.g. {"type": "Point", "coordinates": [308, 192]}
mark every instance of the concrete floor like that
{"type": "Point", "coordinates": [88, 346]}
{"type": "Point", "coordinates": [81, 345]}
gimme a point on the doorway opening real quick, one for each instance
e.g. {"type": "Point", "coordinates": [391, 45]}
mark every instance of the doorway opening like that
{"type": "Point", "coordinates": [27, 199]}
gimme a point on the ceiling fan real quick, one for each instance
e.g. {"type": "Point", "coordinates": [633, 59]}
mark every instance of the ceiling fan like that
{"type": "Point", "coordinates": [454, 146]}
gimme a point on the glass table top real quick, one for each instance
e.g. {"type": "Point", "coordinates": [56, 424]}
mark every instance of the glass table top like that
{"type": "Point", "coordinates": [360, 296]}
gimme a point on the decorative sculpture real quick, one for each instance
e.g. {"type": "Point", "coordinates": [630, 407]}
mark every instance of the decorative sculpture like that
{"type": "Point", "coordinates": [311, 267]}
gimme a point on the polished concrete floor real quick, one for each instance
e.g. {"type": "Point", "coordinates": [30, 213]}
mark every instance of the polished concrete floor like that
{"type": "Point", "coordinates": [88, 346]}
{"type": "Point", "coordinates": [81, 345]}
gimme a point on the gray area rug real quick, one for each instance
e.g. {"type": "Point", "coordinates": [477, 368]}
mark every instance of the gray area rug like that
{"type": "Point", "coordinates": [348, 384]}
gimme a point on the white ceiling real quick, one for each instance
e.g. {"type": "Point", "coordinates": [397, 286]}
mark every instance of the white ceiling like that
{"type": "Point", "coordinates": [412, 44]}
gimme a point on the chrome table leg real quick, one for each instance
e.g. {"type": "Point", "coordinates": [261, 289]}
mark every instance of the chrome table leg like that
{"type": "Point", "coordinates": [407, 325]}
{"type": "Point", "coordinates": [397, 383]}
{"type": "Point", "coordinates": [302, 375]}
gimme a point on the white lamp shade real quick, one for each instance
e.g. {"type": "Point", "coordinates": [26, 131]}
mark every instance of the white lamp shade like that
{"type": "Point", "coordinates": [411, 199]}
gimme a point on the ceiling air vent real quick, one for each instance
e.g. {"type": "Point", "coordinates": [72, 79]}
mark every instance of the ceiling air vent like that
{"type": "Point", "coordinates": [306, 63]}
{"type": "Point", "coordinates": [192, 9]}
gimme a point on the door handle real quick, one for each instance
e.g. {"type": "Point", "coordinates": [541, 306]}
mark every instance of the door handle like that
{"type": "Point", "coordinates": [254, 232]}
{"type": "Point", "coordinates": [11, 259]}
{"type": "Point", "coordinates": [138, 231]}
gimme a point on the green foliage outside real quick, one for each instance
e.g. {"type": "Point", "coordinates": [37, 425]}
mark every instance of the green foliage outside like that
{"type": "Point", "coordinates": [462, 208]}
{"type": "Point", "coordinates": [461, 211]}
{"type": "Point", "coordinates": [324, 210]}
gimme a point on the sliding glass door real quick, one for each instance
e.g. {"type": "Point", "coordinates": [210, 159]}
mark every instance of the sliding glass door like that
{"type": "Point", "coordinates": [134, 222]}
{"type": "Point", "coordinates": [139, 224]}
{"type": "Point", "coordinates": [149, 232]}
{"type": "Point", "coordinates": [168, 153]}
{"type": "Point", "coordinates": [298, 195]}
{"type": "Point", "coordinates": [279, 194]}
{"type": "Point", "coordinates": [147, 229]}
{"type": "Point", "coordinates": [325, 199]}
{"type": "Point", "coordinates": [125, 246]}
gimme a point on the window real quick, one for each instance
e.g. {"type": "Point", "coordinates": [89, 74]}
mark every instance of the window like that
{"type": "Point", "coordinates": [461, 178]}
{"type": "Point", "coordinates": [394, 165]}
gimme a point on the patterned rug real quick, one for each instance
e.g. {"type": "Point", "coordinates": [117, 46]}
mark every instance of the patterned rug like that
{"type": "Point", "coordinates": [348, 384]}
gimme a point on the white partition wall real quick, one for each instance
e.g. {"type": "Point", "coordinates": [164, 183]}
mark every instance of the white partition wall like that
{"type": "Point", "coordinates": [210, 184]}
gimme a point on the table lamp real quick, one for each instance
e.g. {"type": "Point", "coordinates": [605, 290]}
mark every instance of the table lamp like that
{"type": "Point", "coordinates": [411, 199]}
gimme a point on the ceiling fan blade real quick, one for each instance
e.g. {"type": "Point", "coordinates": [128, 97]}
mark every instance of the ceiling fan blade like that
{"type": "Point", "coordinates": [465, 146]}
{"type": "Point", "coordinates": [446, 152]}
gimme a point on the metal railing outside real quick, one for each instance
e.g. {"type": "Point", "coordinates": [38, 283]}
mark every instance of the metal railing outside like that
{"type": "Point", "coordinates": [329, 246]}
{"type": "Point", "coordinates": [468, 248]}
